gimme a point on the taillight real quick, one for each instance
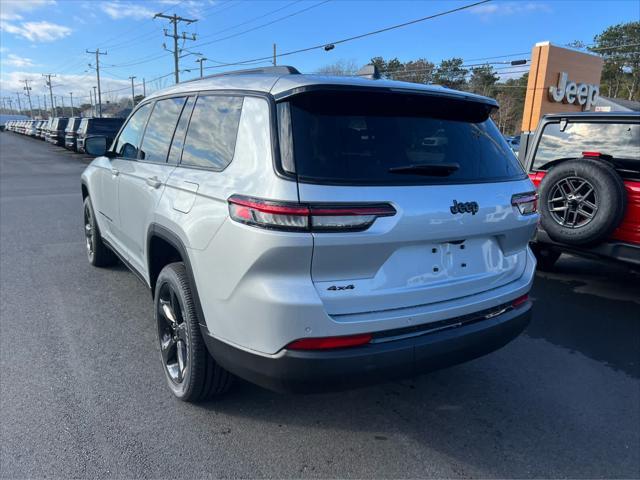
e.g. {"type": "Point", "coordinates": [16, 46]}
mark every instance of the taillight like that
{"type": "Point", "coordinates": [305, 217]}
{"type": "Point", "coordinates": [527, 203]}
{"type": "Point", "coordinates": [520, 301]}
{"type": "Point", "coordinates": [327, 343]}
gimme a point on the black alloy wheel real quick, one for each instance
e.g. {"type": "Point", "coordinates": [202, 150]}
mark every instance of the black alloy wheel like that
{"type": "Point", "coordinates": [172, 334]}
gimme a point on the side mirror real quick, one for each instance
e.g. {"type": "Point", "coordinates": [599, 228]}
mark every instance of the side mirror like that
{"type": "Point", "coordinates": [95, 145]}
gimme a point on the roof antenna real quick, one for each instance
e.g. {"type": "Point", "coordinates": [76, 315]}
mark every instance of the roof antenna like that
{"type": "Point", "coordinates": [369, 71]}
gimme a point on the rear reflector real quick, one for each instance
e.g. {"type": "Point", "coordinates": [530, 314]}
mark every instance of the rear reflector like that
{"type": "Point", "coordinates": [590, 154]}
{"type": "Point", "coordinates": [527, 203]}
{"type": "Point", "coordinates": [520, 301]}
{"type": "Point", "coordinates": [305, 217]}
{"type": "Point", "coordinates": [328, 343]}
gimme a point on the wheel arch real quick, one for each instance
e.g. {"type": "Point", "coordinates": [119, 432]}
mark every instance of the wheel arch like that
{"type": "Point", "coordinates": [164, 247]}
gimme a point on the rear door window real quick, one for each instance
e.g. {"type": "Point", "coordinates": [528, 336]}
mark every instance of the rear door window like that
{"type": "Point", "coordinates": [127, 144]}
{"type": "Point", "coordinates": [178, 137]}
{"type": "Point", "coordinates": [211, 137]}
{"type": "Point", "coordinates": [392, 139]}
{"type": "Point", "coordinates": [159, 131]}
{"type": "Point", "coordinates": [620, 140]}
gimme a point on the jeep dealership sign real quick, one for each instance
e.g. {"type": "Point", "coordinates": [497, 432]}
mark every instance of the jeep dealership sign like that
{"type": "Point", "coordinates": [566, 91]}
{"type": "Point", "coordinates": [560, 80]}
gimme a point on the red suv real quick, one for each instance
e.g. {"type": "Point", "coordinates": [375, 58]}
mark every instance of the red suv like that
{"type": "Point", "coordinates": [586, 167]}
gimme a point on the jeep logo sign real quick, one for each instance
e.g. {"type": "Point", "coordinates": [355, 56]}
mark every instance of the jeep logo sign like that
{"type": "Point", "coordinates": [570, 92]}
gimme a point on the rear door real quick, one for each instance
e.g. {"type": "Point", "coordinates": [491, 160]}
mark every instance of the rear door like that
{"type": "Point", "coordinates": [142, 181]}
{"type": "Point", "coordinates": [445, 169]}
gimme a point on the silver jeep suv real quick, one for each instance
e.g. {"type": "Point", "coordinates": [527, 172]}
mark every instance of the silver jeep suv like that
{"type": "Point", "coordinates": [309, 233]}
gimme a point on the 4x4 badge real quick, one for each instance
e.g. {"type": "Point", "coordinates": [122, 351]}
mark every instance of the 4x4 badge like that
{"type": "Point", "coordinates": [464, 207]}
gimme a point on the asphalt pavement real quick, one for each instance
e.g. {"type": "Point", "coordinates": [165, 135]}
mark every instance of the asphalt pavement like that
{"type": "Point", "coordinates": [82, 391]}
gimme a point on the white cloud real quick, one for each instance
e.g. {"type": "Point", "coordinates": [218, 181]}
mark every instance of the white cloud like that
{"type": "Point", "coordinates": [509, 8]}
{"type": "Point", "coordinates": [19, 62]}
{"type": "Point", "coordinates": [80, 85]}
{"type": "Point", "coordinates": [36, 31]}
{"type": "Point", "coordinates": [118, 10]}
{"type": "Point", "coordinates": [12, 9]}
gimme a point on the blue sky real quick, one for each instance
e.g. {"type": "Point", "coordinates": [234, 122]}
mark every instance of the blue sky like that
{"type": "Point", "coordinates": [50, 36]}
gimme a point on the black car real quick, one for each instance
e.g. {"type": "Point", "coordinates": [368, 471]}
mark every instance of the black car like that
{"type": "Point", "coordinates": [97, 126]}
{"type": "Point", "coordinates": [70, 133]}
{"type": "Point", "coordinates": [56, 131]}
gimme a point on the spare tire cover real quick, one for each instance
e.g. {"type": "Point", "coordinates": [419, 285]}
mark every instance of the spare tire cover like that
{"type": "Point", "coordinates": [582, 201]}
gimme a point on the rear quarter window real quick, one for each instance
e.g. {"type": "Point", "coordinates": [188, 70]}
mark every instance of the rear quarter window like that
{"type": "Point", "coordinates": [212, 132]}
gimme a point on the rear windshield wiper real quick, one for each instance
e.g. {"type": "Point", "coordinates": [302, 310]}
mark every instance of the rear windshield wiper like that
{"type": "Point", "coordinates": [427, 169]}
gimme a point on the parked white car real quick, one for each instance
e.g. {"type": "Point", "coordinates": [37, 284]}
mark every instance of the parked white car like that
{"type": "Point", "coordinates": [299, 232]}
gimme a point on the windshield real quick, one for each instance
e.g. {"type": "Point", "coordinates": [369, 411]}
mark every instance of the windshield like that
{"type": "Point", "coordinates": [390, 139]}
{"type": "Point", "coordinates": [620, 140]}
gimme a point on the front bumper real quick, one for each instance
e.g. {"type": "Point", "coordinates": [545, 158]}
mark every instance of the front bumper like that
{"type": "Point", "coordinates": [342, 369]}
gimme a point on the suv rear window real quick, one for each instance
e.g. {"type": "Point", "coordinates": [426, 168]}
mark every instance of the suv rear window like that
{"type": "Point", "coordinates": [360, 137]}
{"type": "Point", "coordinates": [620, 140]}
{"type": "Point", "coordinates": [104, 126]}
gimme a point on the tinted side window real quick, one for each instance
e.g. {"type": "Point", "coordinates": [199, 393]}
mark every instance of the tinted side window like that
{"type": "Point", "coordinates": [162, 123]}
{"type": "Point", "coordinates": [83, 125]}
{"type": "Point", "coordinates": [620, 140]}
{"type": "Point", "coordinates": [128, 141]}
{"type": "Point", "coordinates": [104, 126]}
{"type": "Point", "coordinates": [178, 137]}
{"type": "Point", "coordinates": [211, 139]}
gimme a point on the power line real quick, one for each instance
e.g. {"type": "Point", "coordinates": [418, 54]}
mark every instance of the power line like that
{"type": "Point", "coordinates": [261, 26]}
{"type": "Point", "coordinates": [271, 12]}
{"type": "Point", "coordinates": [356, 37]}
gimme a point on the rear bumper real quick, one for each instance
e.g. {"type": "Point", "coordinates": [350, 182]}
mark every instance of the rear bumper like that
{"type": "Point", "coordinates": [321, 371]}
{"type": "Point", "coordinates": [628, 253]}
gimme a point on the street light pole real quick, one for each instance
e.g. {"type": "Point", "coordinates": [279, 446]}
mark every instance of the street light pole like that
{"type": "Point", "coordinates": [71, 95]}
{"type": "Point", "coordinates": [133, 93]}
{"type": "Point", "coordinates": [19, 105]}
{"type": "Point", "coordinates": [95, 102]}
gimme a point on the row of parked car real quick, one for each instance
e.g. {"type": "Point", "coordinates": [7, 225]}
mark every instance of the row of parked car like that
{"type": "Point", "coordinates": [67, 132]}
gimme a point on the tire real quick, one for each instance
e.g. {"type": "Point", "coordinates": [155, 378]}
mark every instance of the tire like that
{"type": "Point", "coordinates": [546, 257]}
{"type": "Point", "coordinates": [98, 254]}
{"type": "Point", "coordinates": [191, 373]}
{"type": "Point", "coordinates": [582, 201]}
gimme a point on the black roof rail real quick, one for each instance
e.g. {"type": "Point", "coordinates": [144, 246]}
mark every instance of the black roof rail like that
{"type": "Point", "coordinates": [275, 70]}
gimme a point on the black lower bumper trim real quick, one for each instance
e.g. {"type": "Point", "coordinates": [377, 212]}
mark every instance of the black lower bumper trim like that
{"type": "Point", "coordinates": [614, 250]}
{"type": "Point", "coordinates": [342, 369]}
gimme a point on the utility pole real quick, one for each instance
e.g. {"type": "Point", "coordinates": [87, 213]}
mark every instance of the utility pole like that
{"type": "Point", "coordinates": [133, 93]}
{"type": "Point", "coordinates": [39, 108]}
{"type": "Point", "coordinates": [45, 102]}
{"type": "Point", "coordinates": [19, 105]}
{"type": "Point", "coordinates": [95, 101]}
{"type": "Point", "coordinates": [71, 95]}
{"type": "Point", "coordinates": [98, 53]}
{"type": "Point", "coordinates": [93, 111]}
{"type": "Point", "coordinates": [201, 60]}
{"type": "Point", "coordinates": [144, 88]}
{"type": "Point", "coordinates": [174, 19]}
{"type": "Point", "coordinates": [275, 55]}
{"type": "Point", "coordinates": [27, 88]}
{"type": "Point", "coordinates": [62, 101]}
{"type": "Point", "coordinates": [48, 82]}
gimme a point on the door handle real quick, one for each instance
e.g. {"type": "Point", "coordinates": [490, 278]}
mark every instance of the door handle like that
{"type": "Point", "coordinates": [115, 172]}
{"type": "Point", "coordinates": [154, 182]}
